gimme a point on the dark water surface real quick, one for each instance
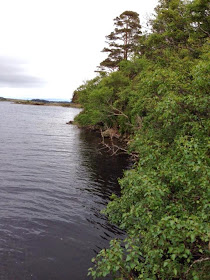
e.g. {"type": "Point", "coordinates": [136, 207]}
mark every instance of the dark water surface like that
{"type": "Point", "coordinates": [53, 184]}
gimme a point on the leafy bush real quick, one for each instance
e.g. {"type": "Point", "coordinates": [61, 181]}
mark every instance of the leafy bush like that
{"type": "Point", "coordinates": [160, 99]}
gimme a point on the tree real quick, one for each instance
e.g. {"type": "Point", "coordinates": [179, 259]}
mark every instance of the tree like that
{"type": "Point", "coordinates": [178, 25]}
{"type": "Point", "coordinates": [160, 102]}
{"type": "Point", "coordinates": [122, 42]}
{"type": "Point", "coordinates": [200, 19]}
{"type": "Point", "coordinates": [164, 203]}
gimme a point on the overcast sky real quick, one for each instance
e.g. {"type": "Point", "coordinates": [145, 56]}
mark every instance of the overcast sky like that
{"type": "Point", "coordinates": [50, 47]}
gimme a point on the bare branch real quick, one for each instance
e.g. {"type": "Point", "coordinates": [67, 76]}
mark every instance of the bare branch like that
{"type": "Point", "coordinates": [119, 112]}
{"type": "Point", "coordinates": [197, 261]}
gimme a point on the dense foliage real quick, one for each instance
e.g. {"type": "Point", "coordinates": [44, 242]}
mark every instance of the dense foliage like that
{"type": "Point", "coordinates": [160, 98]}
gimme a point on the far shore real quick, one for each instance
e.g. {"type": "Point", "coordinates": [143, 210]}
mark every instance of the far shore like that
{"type": "Point", "coordinates": [40, 102]}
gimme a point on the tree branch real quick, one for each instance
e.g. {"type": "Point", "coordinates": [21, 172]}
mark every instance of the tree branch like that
{"type": "Point", "coordinates": [197, 261]}
{"type": "Point", "coordinates": [206, 32]}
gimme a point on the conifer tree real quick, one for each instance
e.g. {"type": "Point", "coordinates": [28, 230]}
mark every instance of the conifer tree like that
{"type": "Point", "coordinates": [122, 41]}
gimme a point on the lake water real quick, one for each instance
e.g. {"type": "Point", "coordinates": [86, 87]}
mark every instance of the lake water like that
{"type": "Point", "coordinates": [53, 184]}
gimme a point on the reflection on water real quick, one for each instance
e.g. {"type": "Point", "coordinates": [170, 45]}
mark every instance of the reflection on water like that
{"type": "Point", "coordinates": [53, 184]}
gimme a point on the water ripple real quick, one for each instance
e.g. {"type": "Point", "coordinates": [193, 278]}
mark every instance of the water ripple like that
{"type": "Point", "coordinates": [53, 184]}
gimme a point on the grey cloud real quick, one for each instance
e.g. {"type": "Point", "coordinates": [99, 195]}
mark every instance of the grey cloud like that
{"type": "Point", "coordinates": [12, 74]}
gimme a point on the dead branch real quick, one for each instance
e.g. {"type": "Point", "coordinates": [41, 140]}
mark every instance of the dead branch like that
{"type": "Point", "coordinates": [113, 148]}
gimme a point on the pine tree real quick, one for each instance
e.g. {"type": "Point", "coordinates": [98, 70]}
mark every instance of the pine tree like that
{"type": "Point", "coordinates": [122, 42]}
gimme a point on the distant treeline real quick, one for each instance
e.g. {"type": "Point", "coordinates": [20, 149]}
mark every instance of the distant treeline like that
{"type": "Point", "coordinates": [42, 102]}
{"type": "Point", "coordinates": [48, 101]}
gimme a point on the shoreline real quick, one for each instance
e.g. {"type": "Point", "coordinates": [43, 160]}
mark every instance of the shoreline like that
{"type": "Point", "coordinates": [41, 103]}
